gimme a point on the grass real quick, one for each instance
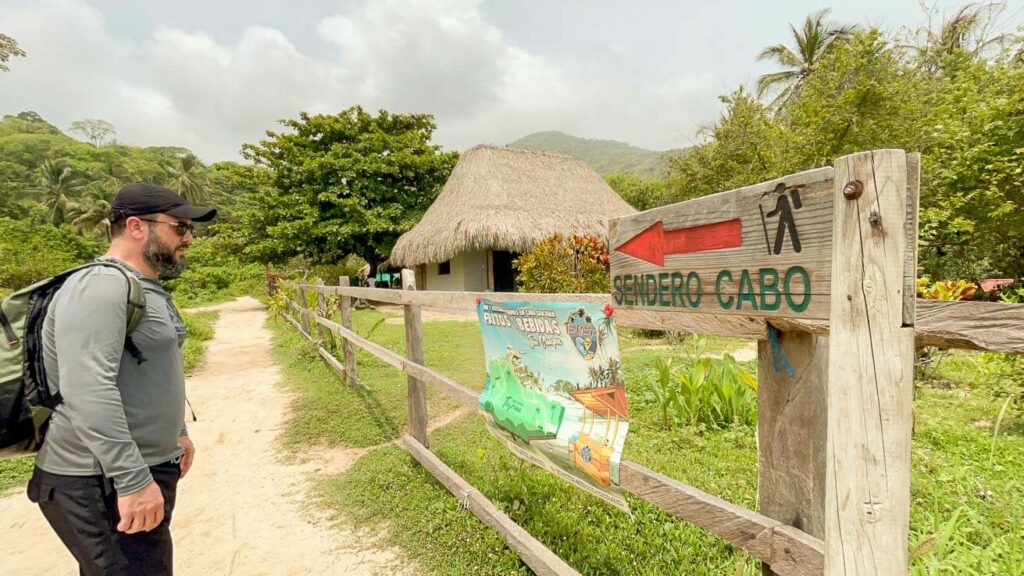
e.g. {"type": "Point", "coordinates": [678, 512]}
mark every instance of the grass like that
{"type": "Point", "coordinates": [326, 412]}
{"type": "Point", "coordinates": [15, 472]}
{"type": "Point", "coordinates": [200, 330]}
{"type": "Point", "coordinates": [964, 518]}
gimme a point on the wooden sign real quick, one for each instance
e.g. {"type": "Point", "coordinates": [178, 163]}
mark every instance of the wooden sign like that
{"type": "Point", "coordinates": [763, 250]}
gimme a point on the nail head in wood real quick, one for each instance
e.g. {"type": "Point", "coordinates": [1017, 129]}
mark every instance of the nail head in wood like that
{"type": "Point", "coordinates": [853, 189]}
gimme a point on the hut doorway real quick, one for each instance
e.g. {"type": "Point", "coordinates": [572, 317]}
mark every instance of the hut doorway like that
{"type": "Point", "coordinates": [503, 274]}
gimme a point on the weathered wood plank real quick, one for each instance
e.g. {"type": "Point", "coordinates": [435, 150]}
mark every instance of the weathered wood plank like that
{"type": "Point", "coordinates": [417, 393]}
{"type": "Point", "coordinates": [970, 325]}
{"type": "Point", "coordinates": [463, 300]}
{"type": "Point", "coordinates": [870, 378]}
{"type": "Point", "coordinates": [534, 554]}
{"type": "Point", "coordinates": [787, 550]}
{"type": "Point", "coordinates": [761, 250]}
{"type": "Point", "coordinates": [791, 431]}
{"type": "Point", "coordinates": [324, 353]}
{"type": "Point", "coordinates": [331, 361]}
{"type": "Point", "coordinates": [692, 323]}
{"type": "Point", "coordinates": [349, 352]}
{"type": "Point", "coordinates": [910, 229]}
{"type": "Point", "coordinates": [444, 383]}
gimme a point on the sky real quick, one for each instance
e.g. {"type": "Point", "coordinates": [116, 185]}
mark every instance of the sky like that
{"type": "Point", "coordinates": [213, 74]}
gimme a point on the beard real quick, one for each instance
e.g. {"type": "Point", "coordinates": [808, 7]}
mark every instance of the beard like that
{"type": "Point", "coordinates": [163, 259]}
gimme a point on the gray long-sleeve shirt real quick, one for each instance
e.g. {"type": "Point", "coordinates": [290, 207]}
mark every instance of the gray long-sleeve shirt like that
{"type": "Point", "coordinates": [118, 416]}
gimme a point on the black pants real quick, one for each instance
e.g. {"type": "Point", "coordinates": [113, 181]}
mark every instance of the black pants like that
{"type": "Point", "coordinates": [82, 510]}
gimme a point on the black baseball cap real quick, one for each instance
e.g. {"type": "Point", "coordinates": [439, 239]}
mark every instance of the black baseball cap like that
{"type": "Point", "coordinates": [144, 198]}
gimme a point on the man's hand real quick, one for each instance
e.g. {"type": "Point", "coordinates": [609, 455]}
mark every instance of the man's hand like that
{"type": "Point", "coordinates": [186, 458]}
{"type": "Point", "coordinates": [141, 511]}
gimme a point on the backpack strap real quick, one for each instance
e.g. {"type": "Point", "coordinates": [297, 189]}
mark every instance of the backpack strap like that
{"type": "Point", "coordinates": [136, 304]}
{"type": "Point", "coordinates": [12, 337]}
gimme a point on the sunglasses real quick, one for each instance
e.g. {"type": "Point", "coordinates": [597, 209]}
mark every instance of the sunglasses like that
{"type": "Point", "coordinates": [181, 227]}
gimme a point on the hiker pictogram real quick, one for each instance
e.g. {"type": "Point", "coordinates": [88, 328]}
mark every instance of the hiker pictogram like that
{"type": "Point", "coordinates": [784, 210]}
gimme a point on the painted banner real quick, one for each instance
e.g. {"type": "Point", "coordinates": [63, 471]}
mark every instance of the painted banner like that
{"type": "Point", "coordinates": [554, 393]}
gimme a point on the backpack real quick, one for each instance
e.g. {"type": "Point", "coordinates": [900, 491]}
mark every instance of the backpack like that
{"type": "Point", "coordinates": [25, 399]}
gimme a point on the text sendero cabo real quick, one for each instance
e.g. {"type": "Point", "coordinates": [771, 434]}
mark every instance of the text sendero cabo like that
{"type": "Point", "coordinates": [768, 292]}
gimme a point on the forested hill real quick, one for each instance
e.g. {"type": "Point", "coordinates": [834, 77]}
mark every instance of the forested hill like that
{"type": "Point", "coordinates": [605, 156]}
{"type": "Point", "coordinates": [50, 176]}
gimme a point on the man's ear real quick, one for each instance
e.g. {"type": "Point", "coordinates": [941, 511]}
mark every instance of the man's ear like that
{"type": "Point", "coordinates": [135, 227]}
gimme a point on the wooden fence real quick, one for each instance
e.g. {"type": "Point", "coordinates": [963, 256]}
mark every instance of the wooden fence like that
{"type": "Point", "coordinates": [834, 431]}
{"type": "Point", "coordinates": [784, 548]}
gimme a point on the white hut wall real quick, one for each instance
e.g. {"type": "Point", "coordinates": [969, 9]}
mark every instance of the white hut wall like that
{"type": "Point", "coordinates": [466, 272]}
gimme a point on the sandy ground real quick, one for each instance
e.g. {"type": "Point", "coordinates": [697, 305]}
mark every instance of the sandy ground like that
{"type": "Point", "coordinates": [241, 510]}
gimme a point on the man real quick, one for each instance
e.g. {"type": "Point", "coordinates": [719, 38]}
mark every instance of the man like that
{"type": "Point", "coordinates": [106, 475]}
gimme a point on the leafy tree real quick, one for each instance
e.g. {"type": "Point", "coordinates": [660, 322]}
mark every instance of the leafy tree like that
{"type": "Point", "coordinates": [972, 182]}
{"type": "Point", "coordinates": [188, 177]}
{"type": "Point", "coordinates": [862, 97]}
{"type": "Point", "coordinates": [348, 183]}
{"type": "Point", "coordinates": [32, 252]}
{"type": "Point", "coordinates": [233, 185]}
{"type": "Point", "coordinates": [96, 131]}
{"type": "Point", "coordinates": [641, 192]}
{"type": "Point", "coordinates": [8, 49]}
{"type": "Point", "coordinates": [743, 147]}
{"type": "Point", "coordinates": [812, 42]}
{"type": "Point", "coordinates": [59, 187]}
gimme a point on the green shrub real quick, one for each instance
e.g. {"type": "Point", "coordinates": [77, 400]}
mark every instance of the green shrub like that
{"type": "Point", "coordinates": [32, 251]}
{"type": "Point", "coordinates": [215, 273]}
{"type": "Point", "coordinates": [705, 392]}
{"type": "Point", "coordinates": [577, 264]}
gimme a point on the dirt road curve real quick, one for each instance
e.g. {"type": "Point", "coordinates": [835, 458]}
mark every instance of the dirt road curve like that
{"type": "Point", "coordinates": [240, 511]}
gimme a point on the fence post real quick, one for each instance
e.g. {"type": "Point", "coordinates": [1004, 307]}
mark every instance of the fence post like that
{"type": "Point", "coordinates": [303, 302]}
{"type": "Point", "coordinates": [326, 336]}
{"type": "Point", "coordinates": [414, 352]}
{"type": "Point", "coordinates": [351, 375]}
{"type": "Point", "coordinates": [870, 370]}
{"type": "Point", "coordinates": [791, 430]}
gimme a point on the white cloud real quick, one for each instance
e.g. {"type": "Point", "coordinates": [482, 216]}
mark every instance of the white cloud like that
{"type": "Point", "coordinates": [192, 88]}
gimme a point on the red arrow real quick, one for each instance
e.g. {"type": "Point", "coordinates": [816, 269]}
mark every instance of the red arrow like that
{"type": "Point", "coordinates": [654, 243]}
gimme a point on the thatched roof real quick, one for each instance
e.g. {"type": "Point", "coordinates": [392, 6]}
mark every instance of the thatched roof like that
{"type": "Point", "coordinates": [509, 199]}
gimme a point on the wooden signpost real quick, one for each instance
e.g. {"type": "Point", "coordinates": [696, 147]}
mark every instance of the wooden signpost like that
{"type": "Point", "coordinates": [763, 250]}
{"type": "Point", "coordinates": [832, 244]}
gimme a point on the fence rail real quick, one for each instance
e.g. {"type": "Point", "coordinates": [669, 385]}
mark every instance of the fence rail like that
{"type": "Point", "coordinates": [833, 493]}
{"type": "Point", "coordinates": [990, 326]}
{"type": "Point", "coordinates": [787, 550]}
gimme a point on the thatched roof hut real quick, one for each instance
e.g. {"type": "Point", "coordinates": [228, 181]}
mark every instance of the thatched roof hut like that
{"type": "Point", "coordinates": [505, 199]}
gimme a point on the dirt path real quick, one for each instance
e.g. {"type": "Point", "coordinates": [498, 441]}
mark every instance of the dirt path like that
{"type": "Point", "coordinates": [240, 510]}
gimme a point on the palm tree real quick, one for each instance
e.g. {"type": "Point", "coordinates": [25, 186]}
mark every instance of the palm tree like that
{"type": "Point", "coordinates": [970, 29]}
{"type": "Point", "coordinates": [92, 213]}
{"type": "Point", "coordinates": [813, 41]}
{"type": "Point", "coordinates": [189, 178]}
{"type": "Point", "coordinates": [59, 187]}
{"type": "Point", "coordinates": [110, 178]}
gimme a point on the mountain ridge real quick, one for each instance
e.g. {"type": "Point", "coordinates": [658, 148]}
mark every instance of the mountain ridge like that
{"type": "Point", "coordinates": [604, 156]}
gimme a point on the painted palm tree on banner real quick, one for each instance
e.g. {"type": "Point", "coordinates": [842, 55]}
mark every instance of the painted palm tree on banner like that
{"type": "Point", "coordinates": [59, 188]}
{"type": "Point", "coordinates": [811, 42]}
{"type": "Point", "coordinates": [188, 177]}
